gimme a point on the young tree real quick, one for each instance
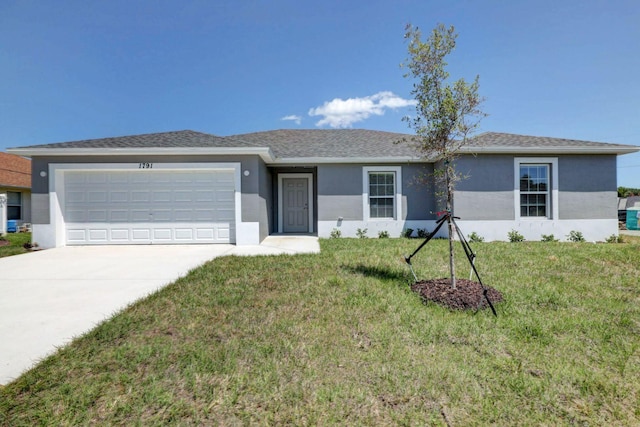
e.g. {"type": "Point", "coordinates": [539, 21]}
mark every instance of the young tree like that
{"type": "Point", "coordinates": [447, 113]}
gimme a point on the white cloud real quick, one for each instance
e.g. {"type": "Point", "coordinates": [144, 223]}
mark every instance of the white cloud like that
{"type": "Point", "coordinates": [293, 118]}
{"type": "Point", "coordinates": [343, 113]}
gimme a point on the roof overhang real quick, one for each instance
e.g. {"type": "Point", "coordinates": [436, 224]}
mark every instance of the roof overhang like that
{"type": "Point", "coordinates": [264, 152]}
{"type": "Point", "coordinates": [334, 160]}
{"type": "Point", "coordinates": [488, 149]}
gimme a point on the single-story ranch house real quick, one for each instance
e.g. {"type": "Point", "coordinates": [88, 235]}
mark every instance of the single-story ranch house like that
{"type": "Point", "coordinates": [188, 187]}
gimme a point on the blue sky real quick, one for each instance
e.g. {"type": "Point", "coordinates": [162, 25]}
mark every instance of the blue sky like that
{"type": "Point", "coordinates": [74, 70]}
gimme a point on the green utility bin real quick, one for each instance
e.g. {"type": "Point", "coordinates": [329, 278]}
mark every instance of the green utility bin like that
{"type": "Point", "coordinates": [632, 218]}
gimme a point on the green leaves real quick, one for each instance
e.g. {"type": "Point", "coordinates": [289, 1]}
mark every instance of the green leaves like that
{"type": "Point", "coordinates": [446, 112]}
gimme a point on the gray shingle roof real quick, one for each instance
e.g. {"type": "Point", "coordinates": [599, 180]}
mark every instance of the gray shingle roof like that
{"type": "Point", "coordinates": [507, 140]}
{"type": "Point", "coordinates": [329, 144]}
{"type": "Point", "coordinates": [182, 138]}
{"type": "Point", "coordinates": [334, 143]}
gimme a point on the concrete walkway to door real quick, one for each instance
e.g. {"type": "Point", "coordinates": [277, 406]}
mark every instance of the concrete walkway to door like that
{"type": "Point", "coordinates": [49, 297]}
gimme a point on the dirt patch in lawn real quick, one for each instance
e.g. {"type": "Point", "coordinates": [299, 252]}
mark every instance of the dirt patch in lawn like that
{"type": "Point", "coordinates": [468, 295]}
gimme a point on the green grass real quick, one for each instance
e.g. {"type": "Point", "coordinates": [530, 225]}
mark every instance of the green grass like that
{"type": "Point", "coordinates": [16, 240]}
{"type": "Point", "coordinates": [339, 339]}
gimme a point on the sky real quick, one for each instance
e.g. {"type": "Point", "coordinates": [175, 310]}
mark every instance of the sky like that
{"type": "Point", "coordinates": [82, 69]}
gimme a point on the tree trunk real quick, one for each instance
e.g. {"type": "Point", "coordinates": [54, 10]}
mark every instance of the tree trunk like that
{"type": "Point", "coordinates": [451, 226]}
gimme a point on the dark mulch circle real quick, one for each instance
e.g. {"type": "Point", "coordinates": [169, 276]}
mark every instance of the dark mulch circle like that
{"type": "Point", "coordinates": [468, 295]}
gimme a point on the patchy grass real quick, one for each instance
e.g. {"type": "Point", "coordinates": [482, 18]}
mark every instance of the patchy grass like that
{"type": "Point", "coordinates": [339, 338]}
{"type": "Point", "coordinates": [16, 244]}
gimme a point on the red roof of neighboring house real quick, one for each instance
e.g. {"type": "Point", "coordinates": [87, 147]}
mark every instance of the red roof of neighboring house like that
{"type": "Point", "coordinates": [15, 171]}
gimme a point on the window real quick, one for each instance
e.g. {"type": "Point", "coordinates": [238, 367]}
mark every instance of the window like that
{"type": "Point", "coordinates": [381, 194]}
{"type": "Point", "coordinates": [534, 190]}
{"type": "Point", "coordinates": [14, 205]}
{"type": "Point", "coordinates": [381, 188]}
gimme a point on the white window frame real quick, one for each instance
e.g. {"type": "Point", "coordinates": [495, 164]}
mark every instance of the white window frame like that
{"type": "Point", "coordinates": [552, 163]}
{"type": "Point", "coordinates": [397, 199]}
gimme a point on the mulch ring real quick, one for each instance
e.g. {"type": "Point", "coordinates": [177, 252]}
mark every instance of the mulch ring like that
{"type": "Point", "coordinates": [468, 295]}
{"type": "Point", "coordinates": [4, 243]}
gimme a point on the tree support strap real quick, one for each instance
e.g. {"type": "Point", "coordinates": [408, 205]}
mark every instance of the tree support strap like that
{"type": "Point", "coordinates": [467, 250]}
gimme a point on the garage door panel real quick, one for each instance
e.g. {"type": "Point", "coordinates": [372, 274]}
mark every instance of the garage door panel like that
{"type": "Point", "coordinates": [97, 178]}
{"type": "Point", "coordinates": [226, 215]}
{"type": "Point", "coordinates": [76, 215]}
{"type": "Point", "coordinates": [140, 195]}
{"type": "Point", "coordinates": [97, 196]}
{"type": "Point", "coordinates": [118, 196]}
{"type": "Point", "coordinates": [74, 236]}
{"type": "Point", "coordinates": [184, 234]}
{"type": "Point", "coordinates": [162, 234]}
{"type": "Point", "coordinates": [122, 207]}
{"type": "Point", "coordinates": [120, 234]}
{"type": "Point", "coordinates": [141, 234]}
{"type": "Point", "coordinates": [118, 178]}
{"type": "Point", "coordinates": [205, 234]}
{"type": "Point", "coordinates": [98, 215]}
{"type": "Point", "coordinates": [140, 214]}
{"type": "Point", "coordinates": [118, 215]}
{"type": "Point", "coordinates": [165, 215]}
{"type": "Point", "coordinates": [98, 235]}
{"type": "Point", "coordinates": [183, 196]}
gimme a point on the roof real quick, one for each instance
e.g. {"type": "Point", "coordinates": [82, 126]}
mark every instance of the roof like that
{"type": "Point", "coordinates": [512, 142]}
{"type": "Point", "coordinates": [315, 145]}
{"type": "Point", "coordinates": [331, 143]}
{"type": "Point", "coordinates": [15, 171]}
{"type": "Point", "coordinates": [182, 138]}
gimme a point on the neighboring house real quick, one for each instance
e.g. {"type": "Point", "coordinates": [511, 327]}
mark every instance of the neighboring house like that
{"type": "Point", "coordinates": [15, 182]}
{"type": "Point", "coordinates": [190, 187]}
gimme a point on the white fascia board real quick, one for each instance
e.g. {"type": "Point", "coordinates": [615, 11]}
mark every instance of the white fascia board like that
{"type": "Point", "coordinates": [264, 152]}
{"type": "Point", "coordinates": [549, 150]}
{"type": "Point", "coordinates": [328, 160]}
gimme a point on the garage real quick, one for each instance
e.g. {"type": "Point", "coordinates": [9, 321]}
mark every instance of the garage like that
{"type": "Point", "coordinates": [146, 206]}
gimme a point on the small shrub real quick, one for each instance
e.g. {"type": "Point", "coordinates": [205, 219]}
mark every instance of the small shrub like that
{"type": "Point", "coordinates": [475, 237]}
{"type": "Point", "coordinates": [361, 233]}
{"type": "Point", "coordinates": [514, 236]}
{"type": "Point", "coordinates": [575, 236]}
{"type": "Point", "coordinates": [614, 239]}
{"type": "Point", "coordinates": [407, 232]}
{"type": "Point", "coordinates": [549, 238]}
{"type": "Point", "coordinates": [336, 234]}
{"type": "Point", "coordinates": [423, 233]}
{"type": "Point", "coordinates": [383, 234]}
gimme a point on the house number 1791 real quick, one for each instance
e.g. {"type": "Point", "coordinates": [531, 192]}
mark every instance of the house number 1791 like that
{"type": "Point", "coordinates": [145, 165]}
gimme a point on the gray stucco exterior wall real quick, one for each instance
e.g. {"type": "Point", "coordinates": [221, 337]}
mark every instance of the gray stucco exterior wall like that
{"type": "Point", "coordinates": [419, 202]}
{"type": "Point", "coordinates": [588, 187]}
{"type": "Point", "coordinates": [485, 190]}
{"type": "Point", "coordinates": [340, 190]}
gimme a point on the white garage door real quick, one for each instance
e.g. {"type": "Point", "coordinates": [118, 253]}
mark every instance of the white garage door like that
{"type": "Point", "coordinates": [163, 207]}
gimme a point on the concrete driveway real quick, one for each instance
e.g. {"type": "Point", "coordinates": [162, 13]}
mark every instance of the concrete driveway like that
{"type": "Point", "coordinates": [49, 297]}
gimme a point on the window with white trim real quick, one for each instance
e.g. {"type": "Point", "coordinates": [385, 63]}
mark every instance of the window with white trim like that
{"type": "Point", "coordinates": [534, 190]}
{"type": "Point", "coordinates": [14, 205]}
{"type": "Point", "coordinates": [381, 192]}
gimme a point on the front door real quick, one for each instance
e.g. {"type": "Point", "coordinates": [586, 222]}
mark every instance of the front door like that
{"type": "Point", "coordinates": [295, 205]}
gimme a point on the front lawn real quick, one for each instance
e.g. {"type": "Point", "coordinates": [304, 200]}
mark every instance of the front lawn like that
{"type": "Point", "coordinates": [339, 338]}
{"type": "Point", "coordinates": [16, 244]}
